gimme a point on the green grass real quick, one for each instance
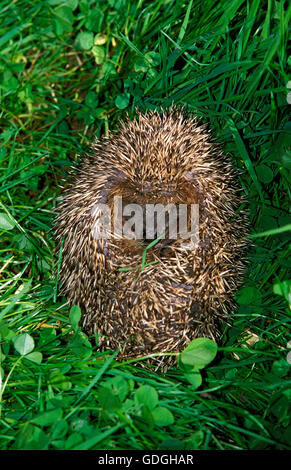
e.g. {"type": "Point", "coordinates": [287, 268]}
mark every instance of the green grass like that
{"type": "Point", "coordinates": [69, 70]}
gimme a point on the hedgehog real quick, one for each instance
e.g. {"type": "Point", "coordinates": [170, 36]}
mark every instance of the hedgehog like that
{"type": "Point", "coordinates": [144, 288]}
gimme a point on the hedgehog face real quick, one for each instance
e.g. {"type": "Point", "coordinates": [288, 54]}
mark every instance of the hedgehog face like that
{"type": "Point", "coordinates": [158, 209]}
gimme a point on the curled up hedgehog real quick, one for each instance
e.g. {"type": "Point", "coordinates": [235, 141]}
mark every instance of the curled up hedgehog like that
{"type": "Point", "coordinates": [142, 285]}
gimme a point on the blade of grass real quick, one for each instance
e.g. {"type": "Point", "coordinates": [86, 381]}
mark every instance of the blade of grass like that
{"type": "Point", "coordinates": [245, 156]}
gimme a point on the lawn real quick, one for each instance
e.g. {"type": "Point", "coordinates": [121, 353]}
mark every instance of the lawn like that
{"type": "Point", "coordinates": [69, 71]}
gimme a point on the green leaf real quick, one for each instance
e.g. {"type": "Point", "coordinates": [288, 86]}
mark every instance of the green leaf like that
{"type": "Point", "coordinates": [64, 19]}
{"type": "Point", "coordinates": [73, 440]}
{"type": "Point", "coordinates": [75, 316]}
{"type": "Point", "coordinates": [91, 100]}
{"type": "Point", "coordinates": [281, 367]}
{"type": "Point", "coordinates": [100, 39]}
{"type": "Point", "coordinates": [286, 158]}
{"type": "Point", "coordinates": [24, 435]}
{"type": "Point", "coordinates": [87, 115]}
{"type": "Point", "coordinates": [99, 54]}
{"type": "Point", "coordinates": [281, 408]}
{"type": "Point", "coordinates": [60, 429]}
{"type": "Point", "coordinates": [108, 70]}
{"type": "Point", "coordinates": [24, 344]}
{"type": "Point", "coordinates": [264, 173]}
{"type": "Point", "coordinates": [118, 386]}
{"type": "Point", "coordinates": [171, 443]}
{"type": "Point", "coordinates": [194, 378]}
{"type": "Point", "coordinates": [162, 416]}
{"type": "Point", "coordinates": [147, 416]}
{"type": "Point", "coordinates": [197, 437]}
{"type": "Point", "coordinates": [147, 396]}
{"type": "Point", "coordinates": [153, 58]}
{"type": "Point", "coordinates": [141, 65]}
{"type": "Point", "coordinates": [47, 337]}
{"type": "Point", "coordinates": [8, 80]}
{"type": "Point", "coordinates": [85, 40]}
{"type": "Point", "coordinates": [81, 346]}
{"type": "Point", "coordinates": [248, 295]}
{"type": "Point", "coordinates": [5, 332]}
{"type": "Point", "coordinates": [40, 440]}
{"type": "Point", "coordinates": [34, 356]}
{"type": "Point", "coordinates": [267, 222]}
{"type": "Point", "coordinates": [48, 417]}
{"type": "Point", "coordinates": [6, 222]}
{"type": "Point", "coordinates": [283, 288]}
{"type": "Point", "coordinates": [94, 20]}
{"type": "Point", "coordinates": [71, 3]}
{"type": "Point", "coordinates": [108, 400]}
{"type": "Point", "coordinates": [199, 353]}
{"type": "Point", "coordinates": [59, 381]}
{"type": "Point", "coordinates": [36, 170]}
{"type": "Point", "coordinates": [122, 100]}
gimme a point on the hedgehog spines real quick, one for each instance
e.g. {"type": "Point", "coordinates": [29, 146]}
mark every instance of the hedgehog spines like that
{"type": "Point", "coordinates": [180, 294]}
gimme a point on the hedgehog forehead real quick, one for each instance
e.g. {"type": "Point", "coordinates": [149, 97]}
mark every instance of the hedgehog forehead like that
{"type": "Point", "coordinates": [157, 149]}
{"type": "Point", "coordinates": [158, 165]}
{"type": "Point", "coordinates": [160, 155]}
